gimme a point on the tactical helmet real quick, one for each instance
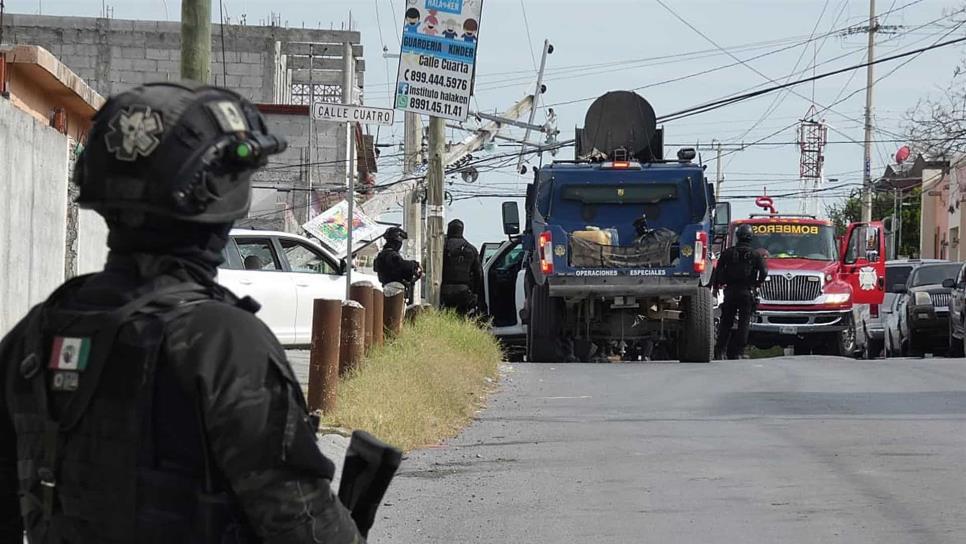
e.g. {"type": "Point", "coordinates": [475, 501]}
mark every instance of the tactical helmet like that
{"type": "Point", "coordinates": [174, 150]}
{"type": "Point", "coordinates": [744, 233]}
{"type": "Point", "coordinates": [395, 234]}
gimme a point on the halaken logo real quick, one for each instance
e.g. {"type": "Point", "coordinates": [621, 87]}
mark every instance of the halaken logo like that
{"type": "Point", "coordinates": [134, 133]}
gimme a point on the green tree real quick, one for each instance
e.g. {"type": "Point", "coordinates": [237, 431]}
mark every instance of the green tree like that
{"type": "Point", "coordinates": [849, 210]}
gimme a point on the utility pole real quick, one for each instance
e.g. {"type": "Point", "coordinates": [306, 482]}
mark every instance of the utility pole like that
{"type": "Point", "coordinates": [434, 216]}
{"type": "Point", "coordinates": [719, 177]}
{"type": "Point", "coordinates": [870, 81]}
{"type": "Point", "coordinates": [719, 148]}
{"type": "Point", "coordinates": [385, 200]}
{"type": "Point", "coordinates": [412, 204]}
{"type": "Point", "coordinates": [196, 40]}
{"type": "Point", "coordinates": [348, 81]}
{"type": "Point", "coordinates": [537, 92]}
{"type": "Point", "coordinates": [308, 194]}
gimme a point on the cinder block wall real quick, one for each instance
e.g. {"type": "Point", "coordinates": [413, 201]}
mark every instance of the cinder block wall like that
{"type": "Point", "coordinates": [113, 54]}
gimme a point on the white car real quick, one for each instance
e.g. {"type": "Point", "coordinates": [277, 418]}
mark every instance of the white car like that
{"type": "Point", "coordinates": [285, 273]}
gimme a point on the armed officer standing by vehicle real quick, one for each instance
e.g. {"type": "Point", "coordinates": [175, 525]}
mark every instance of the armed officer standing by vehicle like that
{"type": "Point", "coordinates": [390, 265]}
{"type": "Point", "coordinates": [462, 288]}
{"type": "Point", "coordinates": [741, 271]}
{"type": "Point", "coordinates": [145, 403]}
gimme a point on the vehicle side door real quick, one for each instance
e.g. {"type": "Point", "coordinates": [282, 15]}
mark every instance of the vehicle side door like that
{"type": "Point", "coordinates": [315, 275]}
{"type": "Point", "coordinates": [256, 270]}
{"type": "Point", "coordinates": [488, 250]}
{"type": "Point", "coordinates": [862, 262]}
{"type": "Point", "coordinates": [504, 276]}
{"type": "Point", "coordinates": [958, 304]}
{"type": "Point", "coordinates": [902, 308]}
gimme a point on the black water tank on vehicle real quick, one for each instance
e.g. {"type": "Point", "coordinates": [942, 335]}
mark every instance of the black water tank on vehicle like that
{"type": "Point", "coordinates": [620, 120]}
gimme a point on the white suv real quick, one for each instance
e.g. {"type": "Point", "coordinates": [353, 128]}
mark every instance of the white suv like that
{"type": "Point", "coordinates": [285, 273]}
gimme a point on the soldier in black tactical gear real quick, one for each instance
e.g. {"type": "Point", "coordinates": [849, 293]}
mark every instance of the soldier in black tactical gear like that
{"type": "Point", "coordinates": [390, 265]}
{"type": "Point", "coordinates": [741, 271]}
{"type": "Point", "coordinates": [462, 288]}
{"type": "Point", "coordinates": [145, 403]}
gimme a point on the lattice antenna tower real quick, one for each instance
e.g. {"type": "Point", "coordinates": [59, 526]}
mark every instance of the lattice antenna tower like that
{"type": "Point", "coordinates": [812, 139]}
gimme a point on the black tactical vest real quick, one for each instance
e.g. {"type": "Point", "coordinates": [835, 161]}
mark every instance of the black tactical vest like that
{"type": "Point", "coordinates": [458, 262]}
{"type": "Point", "coordinates": [81, 401]}
{"type": "Point", "coordinates": [740, 269]}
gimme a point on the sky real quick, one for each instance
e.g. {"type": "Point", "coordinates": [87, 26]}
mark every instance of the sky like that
{"type": "Point", "coordinates": [703, 51]}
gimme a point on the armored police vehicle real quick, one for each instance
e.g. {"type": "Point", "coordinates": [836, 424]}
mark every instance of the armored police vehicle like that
{"type": "Point", "coordinates": [614, 258]}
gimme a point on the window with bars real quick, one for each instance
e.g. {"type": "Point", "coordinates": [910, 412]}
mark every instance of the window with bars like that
{"type": "Point", "coordinates": [330, 94]}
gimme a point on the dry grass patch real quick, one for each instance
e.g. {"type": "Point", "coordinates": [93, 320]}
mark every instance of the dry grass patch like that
{"type": "Point", "coordinates": [422, 387]}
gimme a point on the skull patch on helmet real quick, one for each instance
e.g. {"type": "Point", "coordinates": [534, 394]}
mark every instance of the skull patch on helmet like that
{"type": "Point", "coordinates": [134, 133]}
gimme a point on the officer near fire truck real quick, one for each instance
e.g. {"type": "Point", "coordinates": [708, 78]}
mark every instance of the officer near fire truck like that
{"type": "Point", "coordinates": [740, 271]}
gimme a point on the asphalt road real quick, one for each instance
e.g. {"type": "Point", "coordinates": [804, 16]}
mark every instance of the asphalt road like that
{"type": "Point", "coordinates": [789, 450]}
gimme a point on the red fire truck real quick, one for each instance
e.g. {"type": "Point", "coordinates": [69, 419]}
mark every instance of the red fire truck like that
{"type": "Point", "coordinates": [814, 280]}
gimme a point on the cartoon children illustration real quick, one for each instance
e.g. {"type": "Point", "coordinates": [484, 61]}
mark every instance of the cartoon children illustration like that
{"type": "Point", "coordinates": [430, 24]}
{"type": "Point", "coordinates": [470, 28]}
{"type": "Point", "coordinates": [450, 27]}
{"type": "Point", "coordinates": [412, 21]}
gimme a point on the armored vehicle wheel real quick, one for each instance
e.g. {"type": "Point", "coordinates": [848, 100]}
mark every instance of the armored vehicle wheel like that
{"type": "Point", "coordinates": [543, 330]}
{"type": "Point", "coordinates": [696, 342]}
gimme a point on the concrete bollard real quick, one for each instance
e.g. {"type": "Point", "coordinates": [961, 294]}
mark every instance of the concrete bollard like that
{"type": "Point", "coordinates": [394, 309]}
{"type": "Point", "coordinates": [361, 292]}
{"type": "Point", "coordinates": [352, 347]}
{"type": "Point", "coordinates": [324, 357]}
{"type": "Point", "coordinates": [378, 318]}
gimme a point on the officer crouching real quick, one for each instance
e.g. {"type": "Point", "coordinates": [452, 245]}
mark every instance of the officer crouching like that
{"type": "Point", "coordinates": [741, 271]}
{"type": "Point", "coordinates": [146, 403]}
{"type": "Point", "coordinates": [392, 267]}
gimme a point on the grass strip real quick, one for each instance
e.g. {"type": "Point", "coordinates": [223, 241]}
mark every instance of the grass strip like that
{"type": "Point", "coordinates": [423, 386]}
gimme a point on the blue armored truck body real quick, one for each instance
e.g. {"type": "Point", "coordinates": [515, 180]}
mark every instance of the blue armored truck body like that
{"type": "Point", "coordinates": [616, 246]}
{"type": "Point", "coordinates": [575, 198]}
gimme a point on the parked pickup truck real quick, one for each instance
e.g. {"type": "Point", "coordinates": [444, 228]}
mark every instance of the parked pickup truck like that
{"type": "Point", "coordinates": [285, 273]}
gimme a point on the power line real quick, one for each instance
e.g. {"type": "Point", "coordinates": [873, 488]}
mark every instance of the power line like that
{"type": "Point", "coordinates": [526, 24]}
{"type": "Point", "coordinates": [723, 67]}
{"type": "Point", "coordinates": [852, 76]}
{"type": "Point", "coordinates": [717, 104]}
{"type": "Point", "coordinates": [780, 98]}
{"type": "Point", "coordinates": [590, 69]}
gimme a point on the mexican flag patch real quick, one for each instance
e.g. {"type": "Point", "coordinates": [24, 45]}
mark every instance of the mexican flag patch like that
{"type": "Point", "coordinates": [70, 353]}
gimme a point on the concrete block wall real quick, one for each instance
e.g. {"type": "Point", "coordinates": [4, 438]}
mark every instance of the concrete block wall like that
{"type": "Point", "coordinates": [289, 169]}
{"type": "Point", "coordinates": [113, 55]}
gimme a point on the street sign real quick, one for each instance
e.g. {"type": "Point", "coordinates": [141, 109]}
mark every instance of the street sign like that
{"type": "Point", "coordinates": [353, 114]}
{"type": "Point", "coordinates": [437, 61]}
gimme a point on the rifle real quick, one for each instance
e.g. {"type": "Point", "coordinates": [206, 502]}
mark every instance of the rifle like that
{"type": "Point", "coordinates": [370, 465]}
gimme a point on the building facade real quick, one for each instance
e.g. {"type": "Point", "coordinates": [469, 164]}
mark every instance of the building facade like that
{"type": "Point", "coordinates": [45, 110]}
{"type": "Point", "coordinates": [269, 65]}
